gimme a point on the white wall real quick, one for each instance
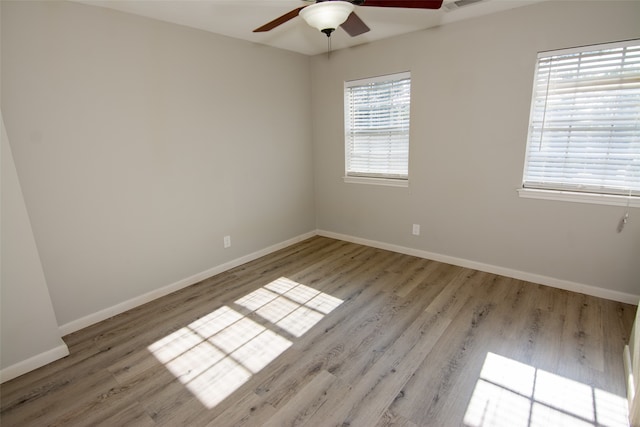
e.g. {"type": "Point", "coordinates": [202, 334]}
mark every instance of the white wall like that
{"type": "Point", "coordinates": [30, 338]}
{"type": "Point", "coordinates": [140, 144]}
{"type": "Point", "coordinates": [471, 94]}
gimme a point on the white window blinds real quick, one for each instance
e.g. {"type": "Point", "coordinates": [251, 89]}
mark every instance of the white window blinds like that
{"type": "Point", "coordinates": [584, 132]}
{"type": "Point", "coordinates": [377, 126]}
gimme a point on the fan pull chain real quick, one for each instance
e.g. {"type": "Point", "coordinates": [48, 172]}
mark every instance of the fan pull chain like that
{"type": "Point", "coordinates": [625, 218]}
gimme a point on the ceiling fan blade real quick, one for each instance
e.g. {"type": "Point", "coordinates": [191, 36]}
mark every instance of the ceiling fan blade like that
{"type": "Point", "coordinates": [416, 4]}
{"type": "Point", "coordinates": [354, 26]}
{"type": "Point", "coordinates": [279, 21]}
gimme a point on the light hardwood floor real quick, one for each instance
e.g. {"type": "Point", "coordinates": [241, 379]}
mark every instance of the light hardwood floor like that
{"type": "Point", "coordinates": [330, 333]}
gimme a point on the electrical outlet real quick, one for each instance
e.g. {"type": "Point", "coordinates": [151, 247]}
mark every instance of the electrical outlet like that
{"type": "Point", "coordinates": [227, 241]}
{"type": "Point", "coordinates": [416, 229]}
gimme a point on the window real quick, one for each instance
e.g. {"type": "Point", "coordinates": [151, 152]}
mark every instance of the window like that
{"type": "Point", "coordinates": [584, 131]}
{"type": "Point", "coordinates": [377, 129]}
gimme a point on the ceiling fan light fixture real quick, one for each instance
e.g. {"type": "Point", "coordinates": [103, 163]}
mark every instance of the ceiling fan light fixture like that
{"type": "Point", "coordinates": [326, 16]}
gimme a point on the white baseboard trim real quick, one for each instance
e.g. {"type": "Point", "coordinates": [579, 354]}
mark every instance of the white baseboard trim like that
{"type": "Point", "coordinates": [108, 312]}
{"type": "Point", "coordinates": [628, 375]}
{"type": "Point", "coordinates": [502, 271]}
{"type": "Point", "coordinates": [34, 362]}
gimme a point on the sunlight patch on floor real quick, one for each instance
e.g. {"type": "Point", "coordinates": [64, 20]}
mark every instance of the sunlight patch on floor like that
{"type": "Point", "coordinates": [214, 355]}
{"type": "Point", "coordinates": [294, 307]}
{"type": "Point", "coordinates": [510, 393]}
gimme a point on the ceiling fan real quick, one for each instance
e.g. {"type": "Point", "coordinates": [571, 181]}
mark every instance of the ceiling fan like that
{"type": "Point", "coordinates": [327, 15]}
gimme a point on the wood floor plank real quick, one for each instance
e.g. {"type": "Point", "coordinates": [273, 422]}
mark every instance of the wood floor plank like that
{"type": "Point", "coordinates": [434, 380]}
{"type": "Point", "coordinates": [378, 388]}
{"type": "Point", "coordinates": [249, 411]}
{"type": "Point", "coordinates": [326, 332]}
{"type": "Point", "coordinates": [304, 405]}
{"type": "Point", "coordinates": [77, 394]}
{"type": "Point", "coordinates": [389, 419]}
{"type": "Point", "coordinates": [411, 273]}
{"type": "Point", "coordinates": [581, 350]}
{"type": "Point", "coordinates": [132, 415]}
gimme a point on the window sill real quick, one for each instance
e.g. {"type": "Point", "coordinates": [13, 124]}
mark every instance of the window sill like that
{"type": "Point", "coordinates": [388, 182]}
{"type": "Point", "coordinates": [570, 196]}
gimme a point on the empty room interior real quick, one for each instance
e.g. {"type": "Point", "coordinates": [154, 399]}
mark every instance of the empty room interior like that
{"type": "Point", "coordinates": [198, 226]}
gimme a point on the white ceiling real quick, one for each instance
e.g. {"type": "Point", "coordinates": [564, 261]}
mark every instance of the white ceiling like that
{"type": "Point", "coordinates": [237, 18]}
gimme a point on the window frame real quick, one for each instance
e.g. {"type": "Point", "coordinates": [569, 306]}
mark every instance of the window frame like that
{"type": "Point", "coordinates": [564, 192]}
{"type": "Point", "coordinates": [374, 178]}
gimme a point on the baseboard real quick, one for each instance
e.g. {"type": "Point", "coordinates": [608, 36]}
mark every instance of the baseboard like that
{"type": "Point", "coordinates": [628, 375]}
{"type": "Point", "coordinates": [502, 271]}
{"type": "Point", "coordinates": [33, 362]}
{"type": "Point", "coordinates": [108, 312]}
